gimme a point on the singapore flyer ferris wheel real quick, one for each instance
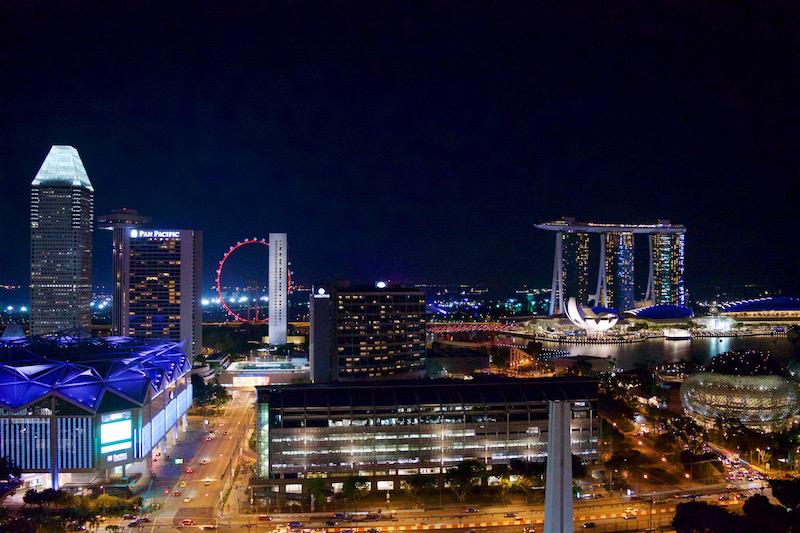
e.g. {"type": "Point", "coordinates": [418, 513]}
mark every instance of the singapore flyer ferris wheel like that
{"type": "Point", "coordinates": [257, 318]}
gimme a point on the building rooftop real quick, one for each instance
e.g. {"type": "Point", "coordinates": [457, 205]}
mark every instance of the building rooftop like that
{"type": "Point", "coordinates": [661, 312]}
{"type": "Point", "coordinates": [572, 225]}
{"type": "Point", "coordinates": [87, 372]}
{"type": "Point", "coordinates": [769, 303]}
{"type": "Point", "coordinates": [503, 391]}
{"type": "Point", "coordinates": [62, 167]}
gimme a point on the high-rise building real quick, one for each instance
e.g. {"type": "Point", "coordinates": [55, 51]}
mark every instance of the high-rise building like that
{"type": "Point", "coordinates": [162, 275]}
{"type": "Point", "coordinates": [615, 284]}
{"type": "Point", "coordinates": [367, 333]}
{"type": "Point", "coordinates": [118, 222]}
{"type": "Point", "coordinates": [278, 287]}
{"type": "Point", "coordinates": [617, 289]}
{"type": "Point", "coordinates": [62, 212]}
{"type": "Point", "coordinates": [666, 269]}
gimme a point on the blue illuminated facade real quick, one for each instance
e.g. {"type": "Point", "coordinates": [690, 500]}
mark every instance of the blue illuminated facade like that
{"type": "Point", "coordinates": [76, 405]}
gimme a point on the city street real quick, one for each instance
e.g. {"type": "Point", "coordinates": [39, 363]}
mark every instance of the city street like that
{"type": "Point", "coordinates": [204, 474]}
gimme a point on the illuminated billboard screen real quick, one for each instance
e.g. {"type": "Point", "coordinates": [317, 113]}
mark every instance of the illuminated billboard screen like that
{"type": "Point", "coordinates": [116, 432]}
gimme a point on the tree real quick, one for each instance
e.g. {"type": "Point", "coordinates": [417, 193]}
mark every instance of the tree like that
{"type": "Point", "coordinates": [463, 478]}
{"type": "Point", "coordinates": [354, 488]}
{"type": "Point", "coordinates": [701, 517]}
{"type": "Point", "coordinates": [527, 475]}
{"type": "Point", "coordinates": [578, 468]}
{"type": "Point", "coordinates": [8, 469]}
{"type": "Point", "coordinates": [316, 491]}
{"type": "Point", "coordinates": [419, 483]}
{"type": "Point", "coordinates": [787, 491]}
{"type": "Point", "coordinates": [758, 511]}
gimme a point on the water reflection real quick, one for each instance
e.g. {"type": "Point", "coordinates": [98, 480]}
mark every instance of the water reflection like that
{"type": "Point", "coordinates": [657, 350]}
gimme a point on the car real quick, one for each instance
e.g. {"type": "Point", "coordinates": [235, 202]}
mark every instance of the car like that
{"type": "Point", "coordinates": [295, 525]}
{"type": "Point", "coordinates": [206, 483]}
{"type": "Point", "coordinates": [189, 470]}
{"type": "Point", "coordinates": [129, 516]}
{"type": "Point", "coordinates": [471, 510]}
{"type": "Point", "coordinates": [373, 530]}
{"type": "Point", "coordinates": [176, 493]}
{"type": "Point", "coordinates": [330, 523]}
{"type": "Point", "coordinates": [208, 439]}
{"type": "Point", "coordinates": [510, 515]}
{"type": "Point", "coordinates": [135, 523]}
{"type": "Point", "coordinates": [346, 531]}
{"type": "Point", "coordinates": [183, 483]}
{"type": "Point", "coordinates": [628, 516]}
{"type": "Point", "coordinates": [529, 529]}
{"type": "Point", "coordinates": [187, 522]}
{"type": "Point", "coordinates": [204, 462]}
{"type": "Point", "coordinates": [724, 497]}
{"type": "Point", "coordinates": [187, 499]}
{"type": "Point", "coordinates": [589, 525]}
{"type": "Point", "coordinates": [340, 516]}
{"type": "Point", "coordinates": [145, 519]}
{"type": "Point", "coordinates": [210, 526]}
{"type": "Point", "coordinates": [264, 518]}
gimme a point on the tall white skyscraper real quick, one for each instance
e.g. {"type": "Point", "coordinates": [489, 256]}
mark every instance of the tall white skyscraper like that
{"type": "Point", "coordinates": [62, 213]}
{"type": "Point", "coordinates": [278, 287]}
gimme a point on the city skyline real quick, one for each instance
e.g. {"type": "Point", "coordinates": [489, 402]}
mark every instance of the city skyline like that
{"type": "Point", "coordinates": [510, 133]}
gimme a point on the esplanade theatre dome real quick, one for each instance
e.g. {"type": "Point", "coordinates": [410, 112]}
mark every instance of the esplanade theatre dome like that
{"type": "Point", "coordinates": [750, 387]}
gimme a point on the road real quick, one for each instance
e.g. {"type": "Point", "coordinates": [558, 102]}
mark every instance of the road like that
{"type": "Point", "coordinates": [211, 458]}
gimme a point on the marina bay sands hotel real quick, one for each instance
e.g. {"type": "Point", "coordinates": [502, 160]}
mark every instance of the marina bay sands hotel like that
{"type": "Point", "coordinates": [615, 288]}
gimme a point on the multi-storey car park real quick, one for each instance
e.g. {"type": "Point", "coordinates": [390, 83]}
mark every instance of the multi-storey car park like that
{"type": "Point", "coordinates": [74, 410]}
{"type": "Point", "coordinates": [392, 430]}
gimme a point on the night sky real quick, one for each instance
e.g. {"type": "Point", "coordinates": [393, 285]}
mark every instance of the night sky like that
{"type": "Point", "coordinates": [417, 141]}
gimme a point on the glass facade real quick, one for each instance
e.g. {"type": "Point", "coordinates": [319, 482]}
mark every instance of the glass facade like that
{"type": "Point", "coordinates": [62, 213]}
{"type": "Point", "coordinates": [378, 333]}
{"type": "Point", "coordinates": [619, 271]}
{"type": "Point", "coordinates": [405, 428]}
{"type": "Point", "coordinates": [575, 266]}
{"type": "Point", "coordinates": [668, 266]}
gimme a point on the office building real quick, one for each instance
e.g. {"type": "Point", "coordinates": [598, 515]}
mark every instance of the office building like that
{"type": "Point", "coordinates": [74, 409]}
{"type": "Point", "coordinates": [615, 282]}
{"type": "Point", "coordinates": [367, 333]}
{"type": "Point", "coordinates": [666, 274]}
{"type": "Point", "coordinates": [119, 222]}
{"type": "Point", "coordinates": [390, 431]}
{"type": "Point", "coordinates": [162, 275]}
{"type": "Point", "coordinates": [278, 287]}
{"type": "Point", "coordinates": [62, 212]}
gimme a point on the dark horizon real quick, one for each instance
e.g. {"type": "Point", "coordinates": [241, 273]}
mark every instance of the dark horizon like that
{"type": "Point", "coordinates": [418, 143]}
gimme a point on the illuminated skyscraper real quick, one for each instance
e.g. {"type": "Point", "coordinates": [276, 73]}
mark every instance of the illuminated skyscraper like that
{"type": "Point", "coordinates": [570, 270]}
{"type": "Point", "coordinates": [666, 269]}
{"type": "Point", "coordinates": [278, 287]}
{"type": "Point", "coordinates": [615, 281]}
{"type": "Point", "coordinates": [162, 273]}
{"type": "Point", "coordinates": [119, 221]}
{"type": "Point", "coordinates": [367, 333]}
{"type": "Point", "coordinates": [62, 212]}
{"type": "Point", "coordinates": [615, 285]}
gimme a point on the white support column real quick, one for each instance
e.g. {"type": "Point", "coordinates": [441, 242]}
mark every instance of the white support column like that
{"type": "Point", "coordinates": [558, 517]}
{"type": "Point", "coordinates": [278, 287]}
{"type": "Point", "coordinates": [557, 287]}
{"type": "Point", "coordinates": [601, 296]}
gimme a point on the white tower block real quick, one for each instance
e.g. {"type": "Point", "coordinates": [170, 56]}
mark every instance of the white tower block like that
{"type": "Point", "coordinates": [278, 287]}
{"type": "Point", "coordinates": [558, 486]}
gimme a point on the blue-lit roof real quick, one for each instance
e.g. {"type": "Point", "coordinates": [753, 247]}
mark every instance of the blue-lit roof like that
{"type": "Point", "coordinates": [662, 312]}
{"type": "Point", "coordinates": [83, 370]}
{"type": "Point", "coordinates": [770, 303]}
